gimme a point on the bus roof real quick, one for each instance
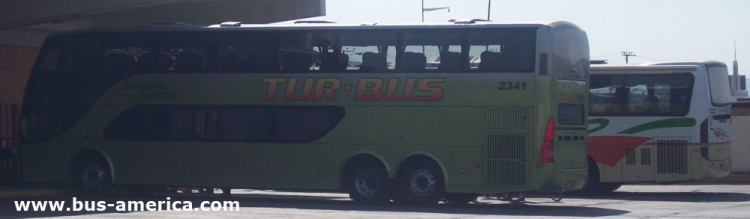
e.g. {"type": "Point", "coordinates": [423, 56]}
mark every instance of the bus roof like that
{"type": "Point", "coordinates": [323, 25]}
{"type": "Point", "coordinates": [641, 69]}
{"type": "Point", "coordinates": [708, 63]}
{"type": "Point", "coordinates": [333, 25]}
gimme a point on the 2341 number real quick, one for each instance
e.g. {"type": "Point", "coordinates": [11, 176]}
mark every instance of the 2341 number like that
{"type": "Point", "coordinates": [510, 85]}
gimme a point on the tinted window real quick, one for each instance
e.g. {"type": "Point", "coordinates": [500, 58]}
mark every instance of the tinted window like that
{"type": "Point", "coordinates": [225, 123]}
{"type": "Point", "coordinates": [641, 95]}
{"type": "Point", "coordinates": [720, 89]}
{"type": "Point", "coordinates": [65, 82]}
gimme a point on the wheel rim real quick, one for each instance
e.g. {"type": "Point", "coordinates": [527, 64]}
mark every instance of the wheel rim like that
{"type": "Point", "coordinates": [366, 183]}
{"type": "Point", "coordinates": [422, 182]}
{"type": "Point", "coordinates": [93, 176]}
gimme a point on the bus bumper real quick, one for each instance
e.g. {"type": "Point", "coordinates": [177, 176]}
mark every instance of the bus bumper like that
{"type": "Point", "coordinates": [549, 179]}
{"type": "Point", "coordinates": [716, 169]}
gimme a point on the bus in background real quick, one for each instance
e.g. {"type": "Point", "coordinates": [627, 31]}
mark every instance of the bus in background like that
{"type": "Point", "coordinates": [312, 106]}
{"type": "Point", "coordinates": [658, 123]}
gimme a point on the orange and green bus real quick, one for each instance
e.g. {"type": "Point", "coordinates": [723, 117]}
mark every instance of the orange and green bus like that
{"type": "Point", "coordinates": [414, 113]}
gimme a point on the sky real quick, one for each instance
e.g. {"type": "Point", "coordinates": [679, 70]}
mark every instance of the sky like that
{"type": "Point", "coordinates": [653, 30]}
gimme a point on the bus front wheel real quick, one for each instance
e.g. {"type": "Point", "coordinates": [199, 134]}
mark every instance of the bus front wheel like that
{"type": "Point", "coordinates": [94, 176]}
{"type": "Point", "coordinates": [369, 184]}
{"type": "Point", "coordinates": [422, 184]}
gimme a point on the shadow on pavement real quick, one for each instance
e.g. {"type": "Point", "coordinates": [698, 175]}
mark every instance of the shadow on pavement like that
{"type": "Point", "coordinates": [312, 202]}
{"type": "Point", "coordinates": [669, 196]}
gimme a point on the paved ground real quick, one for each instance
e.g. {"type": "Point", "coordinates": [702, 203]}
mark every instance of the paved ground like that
{"type": "Point", "coordinates": [696, 200]}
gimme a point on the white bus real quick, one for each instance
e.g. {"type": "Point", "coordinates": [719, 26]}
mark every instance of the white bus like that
{"type": "Point", "coordinates": [658, 123]}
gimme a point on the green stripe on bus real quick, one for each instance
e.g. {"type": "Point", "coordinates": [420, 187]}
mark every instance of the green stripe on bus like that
{"type": "Point", "coordinates": [666, 123]}
{"type": "Point", "coordinates": [602, 124]}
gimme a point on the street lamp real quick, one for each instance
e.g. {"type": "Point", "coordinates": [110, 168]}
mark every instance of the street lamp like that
{"type": "Point", "coordinates": [627, 54]}
{"type": "Point", "coordinates": [489, 3]}
{"type": "Point", "coordinates": [432, 9]}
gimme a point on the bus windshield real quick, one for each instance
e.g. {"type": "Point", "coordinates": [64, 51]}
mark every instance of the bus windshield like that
{"type": "Point", "coordinates": [718, 84]}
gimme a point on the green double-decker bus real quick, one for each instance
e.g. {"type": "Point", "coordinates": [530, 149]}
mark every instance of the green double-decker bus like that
{"type": "Point", "coordinates": [412, 113]}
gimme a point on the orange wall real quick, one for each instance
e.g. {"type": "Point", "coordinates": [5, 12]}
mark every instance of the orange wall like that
{"type": "Point", "coordinates": [15, 66]}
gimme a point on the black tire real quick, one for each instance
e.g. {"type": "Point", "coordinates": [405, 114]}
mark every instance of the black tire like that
{"type": "Point", "coordinates": [93, 176]}
{"type": "Point", "coordinates": [421, 183]}
{"type": "Point", "coordinates": [460, 198]}
{"type": "Point", "coordinates": [368, 183]}
{"type": "Point", "coordinates": [592, 184]}
{"type": "Point", "coordinates": [609, 187]}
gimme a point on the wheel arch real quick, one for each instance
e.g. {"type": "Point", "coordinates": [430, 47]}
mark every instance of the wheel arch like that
{"type": "Point", "coordinates": [357, 158]}
{"type": "Point", "coordinates": [417, 156]}
{"type": "Point", "coordinates": [590, 160]}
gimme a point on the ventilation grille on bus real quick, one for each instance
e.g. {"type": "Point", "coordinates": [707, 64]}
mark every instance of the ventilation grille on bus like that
{"type": "Point", "coordinates": [506, 163]}
{"type": "Point", "coordinates": [507, 173]}
{"type": "Point", "coordinates": [645, 156]}
{"type": "Point", "coordinates": [671, 156]}
{"type": "Point", "coordinates": [507, 118]}
{"type": "Point", "coordinates": [630, 156]}
{"type": "Point", "coordinates": [543, 64]}
{"type": "Point", "coordinates": [506, 147]}
{"type": "Point", "coordinates": [570, 114]}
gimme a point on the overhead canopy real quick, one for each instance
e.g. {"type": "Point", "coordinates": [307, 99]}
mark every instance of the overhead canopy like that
{"type": "Point", "coordinates": [114, 13]}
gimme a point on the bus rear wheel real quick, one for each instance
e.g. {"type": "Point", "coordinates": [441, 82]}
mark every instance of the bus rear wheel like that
{"type": "Point", "coordinates": [369, 184]}
{"type": "Point", "coordinates": [94, 176]}
{"type": "Point", "coordinates": [421, 184]}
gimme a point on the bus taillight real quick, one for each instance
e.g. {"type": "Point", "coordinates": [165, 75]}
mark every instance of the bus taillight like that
{"type": "Point", "coordinates": [547, 152]}
{"type": "Point", "coordinates": [704, 132]}
{"type": "Point", "coordinates": [704, 139]}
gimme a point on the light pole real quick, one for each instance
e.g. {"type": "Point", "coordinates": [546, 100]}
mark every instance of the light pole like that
{"type": "Point", "coordinates": [432, 9]}
{"type": "Point", "coordinates": [627, 54]}
{"type": "Point", "coordinates": [489, 3]}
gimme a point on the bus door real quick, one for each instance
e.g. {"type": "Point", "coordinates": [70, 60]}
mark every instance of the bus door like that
{"type": "Point", "coordinates": [637, 165]}
{"type": "Point", "coordinates": [671, 158]}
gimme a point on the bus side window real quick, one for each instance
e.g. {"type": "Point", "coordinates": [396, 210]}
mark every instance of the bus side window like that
{"type": "Point", "coordinates": [373, 62]}
{"type": "Point", "coordinates": [119, 63]}
{"type": "Point", "coordinates": [190, 62]}
{"type": "Point", "coordinates": [621, 105]}
{"type": "Point", "coordinates": [651, 102]}
{"type": "Point", "coordinates": [679, 101]}
{"type": "Point", "coordinates": [333, 62]}
{"type": "Point", "coordinates": [258, 62]}
{"type": "Point", "coordinates": [451, 62]}
{"type": "Point", "coordinates": [414, 62]}
{"type": "Point", "coordinates": [297, 62]}
{"type": "Point", "coordinates": [490, 61]}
